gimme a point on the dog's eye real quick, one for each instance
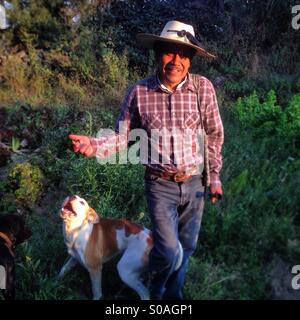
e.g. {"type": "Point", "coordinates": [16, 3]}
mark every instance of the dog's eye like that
{"type": "Point", "coordinates": [82, 202]}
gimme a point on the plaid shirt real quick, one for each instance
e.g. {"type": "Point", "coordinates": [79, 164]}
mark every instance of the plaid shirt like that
{"type": "Point", "coordinates": [150, 106]}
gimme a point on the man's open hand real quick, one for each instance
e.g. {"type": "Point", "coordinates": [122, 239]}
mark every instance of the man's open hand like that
{"type": "Point", "coordinates": [82, 144]}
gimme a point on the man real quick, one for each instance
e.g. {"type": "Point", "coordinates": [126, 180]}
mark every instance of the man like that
{"type": "Point", "coordinates": [171, 100]}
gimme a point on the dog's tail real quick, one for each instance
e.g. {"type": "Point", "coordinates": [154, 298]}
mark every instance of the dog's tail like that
{"type": "Point", "coordinates": [180, 257]}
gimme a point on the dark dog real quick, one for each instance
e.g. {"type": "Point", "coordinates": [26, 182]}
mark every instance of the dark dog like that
{"type": "Point", "coordinates": [12, 233]}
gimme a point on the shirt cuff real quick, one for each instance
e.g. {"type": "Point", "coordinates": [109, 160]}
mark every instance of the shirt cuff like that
{"type": "Point", "coordinates": [215, 181]}
{"type": "Point", "coordinates": [96, 143]}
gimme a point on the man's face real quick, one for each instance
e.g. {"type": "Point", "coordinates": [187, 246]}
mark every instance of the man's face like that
{"type": "Point", "coordinates": [174, 62]}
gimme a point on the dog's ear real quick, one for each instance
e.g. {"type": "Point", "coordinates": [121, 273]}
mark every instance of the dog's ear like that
{"type": "Point", "coordinates": [92, 216]}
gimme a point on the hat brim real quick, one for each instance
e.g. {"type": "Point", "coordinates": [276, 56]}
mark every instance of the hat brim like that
{"type": "Point", "coordinates": [148, 40]}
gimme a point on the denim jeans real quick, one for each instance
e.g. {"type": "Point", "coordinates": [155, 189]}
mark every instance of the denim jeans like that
{"type": "Point", "coordinates": [176, 211]}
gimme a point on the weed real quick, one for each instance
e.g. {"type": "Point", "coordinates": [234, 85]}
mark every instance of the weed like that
{"type": "Point", "coordinates": [26, 182]}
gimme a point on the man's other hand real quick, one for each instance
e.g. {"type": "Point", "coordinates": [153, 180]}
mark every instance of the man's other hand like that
{"type": "Point", "coordinates": [215, 193]}
{"type": "Point", "coordinates": [83, 145]}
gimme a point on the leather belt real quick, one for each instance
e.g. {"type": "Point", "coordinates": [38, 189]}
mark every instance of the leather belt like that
{"type": "Point", "coordinates": [180, 176]}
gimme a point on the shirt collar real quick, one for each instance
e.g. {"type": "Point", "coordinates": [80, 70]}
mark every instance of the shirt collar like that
{"type": "Point", "coordinates": [166, 89]}
{"type": "Point", "coordinates": [187, 84]}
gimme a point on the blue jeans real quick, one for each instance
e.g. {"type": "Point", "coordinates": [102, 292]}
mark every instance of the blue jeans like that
{"type": "Point", "coordinates": [175, 210]}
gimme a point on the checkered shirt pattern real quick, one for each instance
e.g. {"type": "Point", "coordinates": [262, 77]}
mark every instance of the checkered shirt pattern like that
{"type": "Point", "coordinates": [149, 106]}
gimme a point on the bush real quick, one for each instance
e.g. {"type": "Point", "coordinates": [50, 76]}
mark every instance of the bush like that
{"type": "Point", "coordinates": [267, 118]}
{"type": "Point", "coordinates": [291, 118]}
{"type": "Point", "coordinates": [26, 182]}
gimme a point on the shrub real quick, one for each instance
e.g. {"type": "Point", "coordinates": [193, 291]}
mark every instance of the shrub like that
{"type": "Point", "coordinates": [26, 181]}
{"type": "Point", "coordinates": [265, 118]}
{"type": "Point", "coordinates": [291, 118]}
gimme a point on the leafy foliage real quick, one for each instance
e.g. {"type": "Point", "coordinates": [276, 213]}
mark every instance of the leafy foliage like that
{"type": "Point", "coordinates": [64, 66]}
{"type": "Point", "coordinates": [26, 181]}
{"type": "Point", "coordinates": [267, 118]}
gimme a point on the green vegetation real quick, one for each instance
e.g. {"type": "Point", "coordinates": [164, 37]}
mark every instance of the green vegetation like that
{"type": "Point", "coordinates": [268, 118]}
{"type": "Point", "coordinates": [59, 77]}
{"type": "Point", "coordinates": [25, 181]}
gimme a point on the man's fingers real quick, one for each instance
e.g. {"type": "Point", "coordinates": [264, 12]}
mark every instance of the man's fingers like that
{"type": "Point", "coordinates": [76, 146]}
{"type": "Point", "coordinates": [81, 144]}
{"type": "Point", "coordinates": [86, 150]}
{"type": "Point", "coordinates": [83, 148]}
{"type": "Point", "coordinates": [75, 137]}
{"type": "Point", "coordinates": [89, 151]}
{"type": "Point", "coordinates": [214, 200]}
{"type": "Point", "coordinates": [78, 142]}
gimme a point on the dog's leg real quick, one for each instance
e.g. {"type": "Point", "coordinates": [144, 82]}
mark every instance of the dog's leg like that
{"type": "Point", "coordinates": [130, 270]}
{"type": "Point", "coordinates": [96, 279]}
{"type": "Point", "coordinates": [67, 266]}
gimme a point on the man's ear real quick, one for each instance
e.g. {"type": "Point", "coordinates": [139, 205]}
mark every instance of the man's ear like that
{"type": "Point", "coordinates": [92, 216]}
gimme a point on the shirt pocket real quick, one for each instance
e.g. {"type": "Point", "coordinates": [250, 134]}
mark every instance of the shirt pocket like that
{"type": "Point", "coordinates": [191, 120]}
{"type": "Point", "coordinates": [152, 121]}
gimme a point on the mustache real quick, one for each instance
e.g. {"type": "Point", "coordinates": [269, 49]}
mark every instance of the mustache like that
{"type": "Point", "coordinates": [172, 66]}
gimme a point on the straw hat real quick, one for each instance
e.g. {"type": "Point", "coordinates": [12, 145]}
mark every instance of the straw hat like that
{"type": "Point", "coordinates": [175, 32]}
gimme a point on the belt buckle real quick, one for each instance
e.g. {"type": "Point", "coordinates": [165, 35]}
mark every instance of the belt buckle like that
{"type": "Point", "coordinates": [179, 177]}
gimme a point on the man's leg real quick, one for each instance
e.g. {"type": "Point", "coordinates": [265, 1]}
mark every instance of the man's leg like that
{"type": "Point", "coordinates": [163, 198]}
{"type": "Point", "coordinates": [190, 215]}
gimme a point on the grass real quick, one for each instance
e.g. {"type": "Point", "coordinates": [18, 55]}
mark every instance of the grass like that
{"type": "Point", "coordinates": [257, 220]}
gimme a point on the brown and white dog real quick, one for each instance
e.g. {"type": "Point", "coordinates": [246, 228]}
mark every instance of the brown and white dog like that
{"type": "Point", "coordinates": [92, 241]}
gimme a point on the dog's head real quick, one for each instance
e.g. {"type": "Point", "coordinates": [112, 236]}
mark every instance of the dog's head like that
{"type": "Point", "coordinates": [14, 227]}
{"type": "Point", "coordinates": [75, 211]}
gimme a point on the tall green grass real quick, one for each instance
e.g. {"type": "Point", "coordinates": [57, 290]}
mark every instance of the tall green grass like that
{"type": "Point", "coordinates": [257, 220]}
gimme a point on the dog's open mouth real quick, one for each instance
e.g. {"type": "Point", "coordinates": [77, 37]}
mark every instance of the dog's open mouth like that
{"type": "Point", "coordinates": [67, 211]}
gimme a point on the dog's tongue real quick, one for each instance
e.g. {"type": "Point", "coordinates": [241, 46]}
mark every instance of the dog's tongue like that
{"type": "Point", "coordinates": [68, 206]}
{"type": "Point", "coordinates": [67, 210]}
{"type": "Point", "coordinates": [66, 213]}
